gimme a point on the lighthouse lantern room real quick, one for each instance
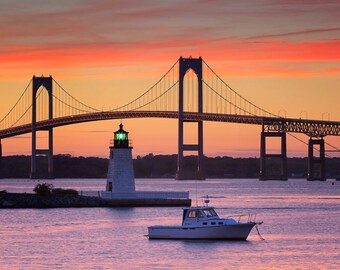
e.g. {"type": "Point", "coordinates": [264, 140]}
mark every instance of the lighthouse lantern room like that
{"type": "Point", "coordinates": [121, 138]}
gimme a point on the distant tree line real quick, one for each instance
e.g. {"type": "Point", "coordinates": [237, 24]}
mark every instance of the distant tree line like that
{"type": "Point", "coordinates": [157, 166]}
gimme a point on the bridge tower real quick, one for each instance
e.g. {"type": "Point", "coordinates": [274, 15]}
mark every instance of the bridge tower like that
{"type": "Point", "coordinates": [264, 156]}
{"type": "Point", "coordinates": [46, 82]}
{"type": "Point", "coordinates": [316, 165]}
{"type": "Point", "coordinates": [184, 65]}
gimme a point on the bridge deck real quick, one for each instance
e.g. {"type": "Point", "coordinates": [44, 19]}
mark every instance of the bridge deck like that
{"type": "Point", "coordinates": [310, 127]}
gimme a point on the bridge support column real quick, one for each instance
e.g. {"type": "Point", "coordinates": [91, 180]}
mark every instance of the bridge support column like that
{"type": "Point", "coordinates": [47, 84]}
{"type": "Point", "coordinates": [184, 65]}
{"type": "Point", "coordinates": [264, 175]}
{"type": "Point", "coordinates": [316, 165]}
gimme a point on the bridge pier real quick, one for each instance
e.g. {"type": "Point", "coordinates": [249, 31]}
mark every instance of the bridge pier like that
{"type": "Point", "coordinates": [316, 165]}
{"type": "Point", "coordinates": [282, 157]}
{"type": "Point", "coordinates": [181, 175]}
{"type": "Point", "coordinates": [184, 65]}
{"type": "Point", "coordinates": [47, 84]}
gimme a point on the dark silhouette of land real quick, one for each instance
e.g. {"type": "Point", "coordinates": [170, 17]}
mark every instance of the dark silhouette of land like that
{"type": "Point", "coordinates": [26, 200]}
{"type": "Point", "coordinates": [158, 166]}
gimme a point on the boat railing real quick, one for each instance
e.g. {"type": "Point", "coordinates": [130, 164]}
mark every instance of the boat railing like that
{"type": "Point", "coordinates": [242, 218]}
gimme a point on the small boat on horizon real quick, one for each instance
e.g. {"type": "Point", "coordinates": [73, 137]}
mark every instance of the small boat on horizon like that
{"type": "Point", "coordinates": [202, 222]}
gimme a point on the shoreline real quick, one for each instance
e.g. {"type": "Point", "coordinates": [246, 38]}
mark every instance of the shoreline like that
{"type": "Point", "coordinates": [29, 200]}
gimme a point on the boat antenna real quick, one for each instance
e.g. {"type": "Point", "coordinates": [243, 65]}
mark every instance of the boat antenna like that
{"type": "Point", "coordinates": [206, 200]}
{"type": "Point", "coordinates": [196, 193]}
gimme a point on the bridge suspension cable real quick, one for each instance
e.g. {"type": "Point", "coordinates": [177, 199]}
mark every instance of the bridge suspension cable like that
{"type": "Point", "coordinates": [66, 104]}
{"type": "Point", "coordinates": [26, 117]}
{"type": "Point", "coordinates": [19, 109]}
{"type": "Point", "coordinates": [315, 148]}
{"type": "Point", "coordinates": [228, 96]}
{"type": "Point", "coordinates": [335, 148]}
{"type": "Point", "coordinates": [159, 96]}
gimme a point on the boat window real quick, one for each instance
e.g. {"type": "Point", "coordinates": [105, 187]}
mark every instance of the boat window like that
{"type": "Point", "coordinates": [210, 212]}
{"type": "Point", "coordinates": [199, 214]}
{"type": "Point", "coordinates": [204, 223]}
{"type": "Point", "coordinates": [192, 214]}
{"type": "Point", "coordinates": [212, 223]}
{"type": "Point", "coordinates": [195, 214]}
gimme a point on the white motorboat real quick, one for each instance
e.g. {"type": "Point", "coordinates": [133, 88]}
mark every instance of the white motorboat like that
{"type": "Point", "coordinates": [204, 223]}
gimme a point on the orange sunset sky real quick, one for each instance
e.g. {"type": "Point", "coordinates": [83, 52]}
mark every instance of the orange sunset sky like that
{"type": "Point", "coordinates": [283, 55]}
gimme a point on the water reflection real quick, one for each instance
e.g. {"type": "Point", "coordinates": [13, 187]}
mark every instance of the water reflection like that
{"type": "Point", "coordinates": [301, 228]}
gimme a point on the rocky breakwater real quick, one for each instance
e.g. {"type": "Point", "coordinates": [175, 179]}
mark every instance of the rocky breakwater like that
{"type": "Point", "coordinates": [28, 200]}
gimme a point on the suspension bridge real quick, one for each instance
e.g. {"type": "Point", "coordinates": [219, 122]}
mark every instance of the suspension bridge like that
{"type": "Point", "coordinates": [190, 91]}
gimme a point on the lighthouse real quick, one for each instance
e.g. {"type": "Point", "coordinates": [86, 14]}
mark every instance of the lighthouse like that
{"type": "Point", "coordinates": [120, 182]}
{"type": "Point", "coordinates": [120, 176]}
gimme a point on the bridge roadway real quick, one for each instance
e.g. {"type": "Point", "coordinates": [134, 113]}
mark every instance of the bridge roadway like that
{"type": "Point", "coordinates": [314, 128]}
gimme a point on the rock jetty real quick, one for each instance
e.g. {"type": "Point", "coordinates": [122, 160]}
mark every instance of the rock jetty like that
{"type": "Point", "coordinates": [28, 200]}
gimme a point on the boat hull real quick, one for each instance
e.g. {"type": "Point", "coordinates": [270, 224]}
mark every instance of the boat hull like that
{"type": "Point", "coordinates": [239, 231]}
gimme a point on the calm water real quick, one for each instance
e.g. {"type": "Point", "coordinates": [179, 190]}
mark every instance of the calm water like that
{"type": "Point", "coordinates": [301, 229]}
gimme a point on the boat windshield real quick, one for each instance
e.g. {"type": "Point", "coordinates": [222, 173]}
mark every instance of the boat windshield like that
{"type": "Point", "coordinates": [210, 212]}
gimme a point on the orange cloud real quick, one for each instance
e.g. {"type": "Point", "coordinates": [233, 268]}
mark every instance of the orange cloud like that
{"type": "Point", "coordinates": [84, 57]}
{"type": "Point", "coordinates": [298, 33]}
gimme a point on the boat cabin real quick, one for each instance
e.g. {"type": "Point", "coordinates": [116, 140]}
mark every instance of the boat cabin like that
{"type": "Point", "coordinates": [193, 215]}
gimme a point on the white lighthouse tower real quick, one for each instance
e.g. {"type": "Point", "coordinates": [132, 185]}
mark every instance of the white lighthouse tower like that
{"type": "Point", "coordinates": [120, 182]}
{"type": "Point", "coordinates": [120, 176]}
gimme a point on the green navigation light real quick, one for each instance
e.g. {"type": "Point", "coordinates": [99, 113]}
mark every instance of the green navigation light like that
{"type": "Point", "coordinates": [121, 138]}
